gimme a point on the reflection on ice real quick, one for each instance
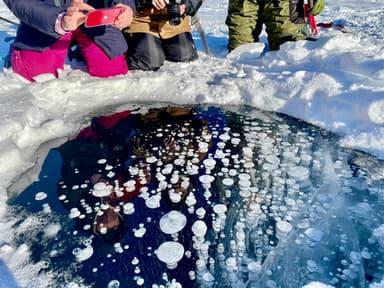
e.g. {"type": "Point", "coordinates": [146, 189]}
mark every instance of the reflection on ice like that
{"type": "Point", "coordinates": [224, 199]}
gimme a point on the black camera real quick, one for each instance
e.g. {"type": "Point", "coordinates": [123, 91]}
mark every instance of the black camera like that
{"type": "Point", "coordinates": [173, 8]}
{"type": "Point", "coordinates": [174, 16]}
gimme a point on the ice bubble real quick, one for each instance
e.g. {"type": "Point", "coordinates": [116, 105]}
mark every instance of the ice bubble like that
{"type": "Point", "coordinates": [225, 162]}
{"type": "Point", "coordinates": [114, 284]}
{"type": "Point", "coordinates": [118, 248]}
{"type": "Point", "coordinates": [153, 202]}
{"type": "Point", "coordinates": [83, 254]}
{"type": "Point", "coordinates": [365, 254]}
{"type": "Point", "coordinates": [224, 137]}
{"type": "Point", "coordinates": [151, 159]}
{"type": "Point", "coordinates": [167, 169]}
{"type": "Point", "coordinates": [231, 263]}
{"type": "Point", "coordinates": [129, 208]}
{"type": "Point", "coordinates": [228, 181]}
{"type": "Point", "coordinates": [311, 266]}
{"type": "Point", "coordinates": [254, 267]}
{"type": "Point", "coordinates": [170, 252]}
{"type": "Point", "coordinates": [247, 152]}
{"type": "Point", "coordinates": [378, 233]}
{"type": "Point", "coordinates": [283, 228]}
{"type": "Point", "coordinates": [200, 212]}
{"type": "Point", "coordinates": [40, 196]}
{"type": "Point", "coordinates": [190, 200]}
{"type": "Point", "coordinates": [174, 284]}
{"type": "Point", "coordinates": [46, 208]}
{"type": "Point", "coordinates": [135, 261]}
{"type": "Point", "coordinates": [101, 161]}
{"type": "Point", "coordinates": [314, 234]}
{"type": "Point", "coordinates": [174, 196]}
{"type": "Point", "coordinates": [130, 185]}
{"type": "Point", "coordinates": [220, 209]}
{"type": "Point", "coordinates": [272, 159]}
{"type": "Point", "coordinates": [133, 171]}
{"type": "Point", "coordinates": [199, 228]}
{"type": "Point", "coordinates": [139, 233]}
{"type": "Point", "coordinates": [101, 189]}
{"type": "Point", "coordinates": [140, 281]}
{"type": "Point", "coordinates": [209, 163]}
{"type": "Point", "coordinates": [203, 147]}
{"type": "Point", "coordinates": [232, 172]}
{"type": "Point", "coordinates": [74, 213]}
{"type": "Point", "coordinates": [172, 222]}
{"type": "Point", "coordinates": [299, 173]}
{"type": "Point", "coordinates": [245, 183]}
{"type": "Point", "coordinates": [206, 180]}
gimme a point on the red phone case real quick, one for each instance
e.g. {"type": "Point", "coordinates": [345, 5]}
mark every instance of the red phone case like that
{"type": "Point", "coordinates": [103, 16]}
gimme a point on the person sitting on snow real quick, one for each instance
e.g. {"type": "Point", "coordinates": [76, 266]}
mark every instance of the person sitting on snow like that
{"type": "Point", "coordinates": [159, 32]}
{"type": "Point", "coordinates": [47, 29]}
{"type": "Point", "coordinates": [284, 21]}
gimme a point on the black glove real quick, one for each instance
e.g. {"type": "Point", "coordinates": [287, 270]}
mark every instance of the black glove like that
{"type": "Point", "coordinates": [191, 6]}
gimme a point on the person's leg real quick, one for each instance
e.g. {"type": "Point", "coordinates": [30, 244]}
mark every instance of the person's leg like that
{"type": "Point", "coordinates": [243, 22]}
{"type": "Point", "coordinates": [144, 52]}
{"type": "Point", "coordinates": [98, 63]}
{"type": "Point", "coordinates": [30, 64]}
{"type": "Point", "coordinates": [180, 48]}
{"type": "Point", "coordinates": [284, 20]}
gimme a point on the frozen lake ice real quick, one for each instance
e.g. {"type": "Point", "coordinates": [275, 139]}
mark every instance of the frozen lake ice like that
{"type": "Point", "coordinates": [229, 197]}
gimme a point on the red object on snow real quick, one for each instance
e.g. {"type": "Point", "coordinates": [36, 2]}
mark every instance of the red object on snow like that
{"type": "Point", "coordinates": [311, 20]}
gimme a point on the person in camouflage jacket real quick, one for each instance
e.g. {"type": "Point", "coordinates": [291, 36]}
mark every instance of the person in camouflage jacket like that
{"type": "Point", "coordinates": [284, 21]}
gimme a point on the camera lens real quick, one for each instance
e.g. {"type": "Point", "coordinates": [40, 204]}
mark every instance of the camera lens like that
{"type": "Point", "coordinates": [174, 14]}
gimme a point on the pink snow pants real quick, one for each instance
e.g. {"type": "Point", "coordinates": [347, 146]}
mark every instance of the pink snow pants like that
{"type": "Point", "coordinates": [29, 63]}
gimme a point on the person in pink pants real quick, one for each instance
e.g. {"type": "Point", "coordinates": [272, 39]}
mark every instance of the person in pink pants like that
{"type": "Point", "coordinates": [46, 32]}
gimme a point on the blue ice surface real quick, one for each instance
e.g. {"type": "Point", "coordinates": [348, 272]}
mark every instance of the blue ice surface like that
{"type": "Point", "coordinates": [6, 277]}
{"type": "Point", "coordinates": [334, 213]}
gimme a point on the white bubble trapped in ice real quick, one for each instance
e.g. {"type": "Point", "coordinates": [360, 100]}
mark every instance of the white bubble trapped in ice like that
{"type": "Point", "coordinates": [170, 253]}
{"type": "Point", "coordinates": [40, 196]}
{"type": "Point", "coordinates": [378, 233]}
{"type": "Point", "coordinates": [74, 213]}
{"type": "Point", "coordinates": [172, 222]}
{"type": "Point", "coordinates": [101, 189]}
{"type": "Point", "coordinates": [200, 212]}
{"type": "Point", "coordinates": [83, 254]}
{"type": "Point", "coordinates": [314, 234]}
{"type": "Point", "coordinates": [114, 284]}
{"type": "Point", "coordinates": [199, 228]}
{"type": "Point", "coordinates": [140, 232]}
{"type": "Point", "coordinates": [129, 208]}
{"type": "Point", "coordinates": [153, 202]}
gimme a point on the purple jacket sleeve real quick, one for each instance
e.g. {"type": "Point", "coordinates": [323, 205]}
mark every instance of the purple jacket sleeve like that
{"type": "Point", "coordinates": [37, 14]}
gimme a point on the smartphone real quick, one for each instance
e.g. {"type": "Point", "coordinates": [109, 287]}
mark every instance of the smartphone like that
{"type": "Point", "coordinates": [104, 16]}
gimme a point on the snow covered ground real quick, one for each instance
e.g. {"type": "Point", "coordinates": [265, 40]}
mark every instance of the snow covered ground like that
{"type": "Point", "coordinates": [336, 83]}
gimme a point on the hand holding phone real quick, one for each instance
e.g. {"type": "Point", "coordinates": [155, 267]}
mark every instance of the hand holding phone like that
{"type": "Point", "coordinates": [101, 17]}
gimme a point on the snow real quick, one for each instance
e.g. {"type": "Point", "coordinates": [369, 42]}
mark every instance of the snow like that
{"type": "Point", "coordinates": [336, 83]}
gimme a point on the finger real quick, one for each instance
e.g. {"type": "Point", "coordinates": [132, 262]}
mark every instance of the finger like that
{"type": "Point", "coordinates": [86, 7]}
